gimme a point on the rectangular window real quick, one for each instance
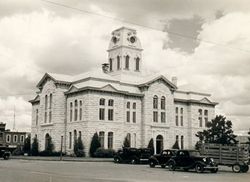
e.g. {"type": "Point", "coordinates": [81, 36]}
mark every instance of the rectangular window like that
{"type": "Point", "coordinates": [45, 117]}
{"type": "Point", "coordinates": [70, 140]}
{"type": "Point", "coordinates": [8, 138]}
{"type": "Point", "coordinates": [200, 121]}
{"type": "Point", "coordinates": [181, 117]}
{"type": "Point", "coordinates": [155, 116]}
{"type": "Point", "coordinates": [200, 117]}
{"type": "Point", "coordinates": [163, 117]}
{"type": "Point", "coordinates": [76, 114]}
{"type": "Point", "coordinates": [101, 139]}
{"type": "Point", "coordinates": [134, 117]}
{"type": "Point", "coordinates": [110, 114]}
{"type": "Point", "coordinates": [36, 117]}
{"type": "Point", "coordinates": [101, 114]}
{"type": "Point", "coordinates": [128, 116]}
{"type": "Point", "coordinates": [15, 139]}
{"type": "Point", "coordinates": [110, 140]}
{"type": "Point", "coordinates": [177, 116]}
{"type": "Point", "coordinates": [22, 139]}
{"type": "Point", "coordinates": [80, 117]}
{"type": "Point", "coordinates": [206, 121]}
{"type": "Point", "coordinates": [50, 116]}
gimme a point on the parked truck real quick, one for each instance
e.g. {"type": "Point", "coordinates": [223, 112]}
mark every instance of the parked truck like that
{"type": "Point", "coordinates": [235, 156]}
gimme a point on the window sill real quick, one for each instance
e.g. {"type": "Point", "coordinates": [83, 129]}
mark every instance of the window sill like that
{"type": "Point", "coordinates": [47, 124]}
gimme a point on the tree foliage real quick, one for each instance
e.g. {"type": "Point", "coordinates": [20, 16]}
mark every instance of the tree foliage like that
{"type": "Point", "coordinates": [34, 147]}
{"type": "Point", "coordinates": [176, 145]}
{"type": "Point", "coordinates": [219, 131]}
{"type": "Point", "coordinates": [95, 144]}
{"type": "Point", "coordinates": [151, 146]}
{"type": "Point", "coordinates": [79, 148]}
{"type": "Point", "coordinates": [26, 147]}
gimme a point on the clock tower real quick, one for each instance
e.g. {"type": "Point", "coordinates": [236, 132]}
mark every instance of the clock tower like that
{"type": "Point", "coordinates": [124, 53]}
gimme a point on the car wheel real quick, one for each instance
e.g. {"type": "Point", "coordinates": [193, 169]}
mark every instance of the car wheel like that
{"type": "Point", "coordinates": [152, 164]}
{"type": "Point", "coordinates": [214, 170]}
{"type": "Point", "coordinates": [199, 168]}
{"type": "Point", "coordinates": [163, 166]}
{"type": "Point", "coordinates": [6, 157]}
{"type": "Point", "coordinates": [134, 161]}
{"type": "Point", "coordinates": [117, 160]}
{"type": "Point", "coordinates": [244, 168]}
{"type": "Point", "coordinates": [236, 168]}
{"type": "Point", "coordinates": [171, 166]}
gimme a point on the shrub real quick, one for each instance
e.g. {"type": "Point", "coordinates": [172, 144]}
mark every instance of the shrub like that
{"type": "Point", "coordinates": [95, 144]}
{"type": "Point", "coordinates": [151, 146]}
{"type": "Point", "coordinates": [126, 142]}
{"type": "Point", "coordinates": [176, 145]}
{"type": "Point", "coordinates": [26, 147]}
{"type": "Point", "coordinates": [34, 147]}
{"type": "Point", "coordinates": [79, 148]}
{"type": "Point", "coordinates": [104, 153]}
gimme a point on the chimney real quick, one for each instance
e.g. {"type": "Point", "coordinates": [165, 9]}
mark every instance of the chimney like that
{"type": "Point", "coordinates": [105, 67]}
{"type": "Point", "coordinates": [174, 80]}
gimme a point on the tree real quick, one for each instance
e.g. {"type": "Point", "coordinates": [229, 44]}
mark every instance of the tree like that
{"type": "Point", "coordinates": [79, 148]}
{"type": "Point", "coordinates": [50, 146]}
{"type": "Point", "coordinates": [126, 142]}
{"type": "Point", "coordinates": [219, 131]}
{"type": "Point", "coordinates": [26, 147]}
{"type": "Point", "coordinates": [34, 147]}
{"type": "Point", "coordinates": [95, 144]}
{"type": "Point", "coordinates": [176, 145]}
{"type": "Point", "coordinates": [151, 146]}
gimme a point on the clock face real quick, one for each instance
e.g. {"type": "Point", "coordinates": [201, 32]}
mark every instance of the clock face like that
{"type": "Point", "coordinates": [115, 39]}
{"type": "Point", "coordinates": [132, 39]}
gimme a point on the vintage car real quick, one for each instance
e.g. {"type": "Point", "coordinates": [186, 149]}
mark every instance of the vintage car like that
{"type": "Point", "coordinates": [4, 153]}
{"type": "Point", "coordinates": [132, 155]}
{"type": "Point", "coordinates": [162, 158]}
{"type": "Point", "coordinates": [191, 159]}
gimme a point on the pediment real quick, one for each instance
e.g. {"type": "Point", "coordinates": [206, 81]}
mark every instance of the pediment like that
{"type": "Point", "coordinates": [109, 88]}
{"type": "Point", "coordinates": [205, 101]}
{"type": "Point", "coordinates": [72, 89]}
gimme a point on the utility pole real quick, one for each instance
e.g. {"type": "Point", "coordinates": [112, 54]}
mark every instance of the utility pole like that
{"type": "Point", "coordinates": [61, 147]}
{"type": "Point", "coordinates": [14, 122]}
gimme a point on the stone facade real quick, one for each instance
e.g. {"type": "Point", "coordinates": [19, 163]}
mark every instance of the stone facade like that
{"type": "Point", "coordinates": [136, 106]}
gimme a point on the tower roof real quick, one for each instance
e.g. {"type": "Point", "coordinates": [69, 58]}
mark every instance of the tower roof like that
{"type": "Point", "coordinates": [126, 37]}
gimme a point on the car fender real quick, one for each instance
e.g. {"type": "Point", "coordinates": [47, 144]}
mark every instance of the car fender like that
{"type": "Point", "coordinates": [171, 160]}
{"type": "Point", "coordinates": [154, 159]}
{"type": "Point", "coordinates": [200, 162]}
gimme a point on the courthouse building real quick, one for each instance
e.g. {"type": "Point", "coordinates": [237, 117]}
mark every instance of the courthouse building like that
{"type": "Point", "coordinates": [118, 101]}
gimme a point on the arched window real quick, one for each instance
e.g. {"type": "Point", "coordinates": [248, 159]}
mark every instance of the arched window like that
{"type": "Point", "coordinates": [76, 109]}
{"type": "Point", "coordinates": [80, 134]}
{"type": "Point", "coordinates": [36, 117]}
{"type": "Point", "coordinates": [163, 102]}
{"type": "Point", "coordinates": [155, 102]}
{"type": "Point", "coordinates": [206, 117]}
{"type": "Point", "coordinates": [80, 114]}
{"type": "Point", "coordinates": [134, 105]}
{"type": "Point", "coordinates": [159, 144]}
{"type": "Point", "coordinates": [118, 63]}
{"type": "Point", "coordinates": [137, 64]}
{"type": "Point", "coordinates": [110, 65]}
{"type": "Point", "coordinates": [71, 112]}
{"type": "Point", "coordinates": [200, 117]}
{"type": "Point", "coordinates": [110, 140]}
{"type": "Point", "coordinates": [128, 105]}
{"type": "Point", "coordinates": [102, 102]}
{"type": "Point", "coordinates": [47, 141]}
{"type": "Point", "coordinates": [101, 138]}
{"type": "Point", "coordinates": [50, 101]}
{"type": "Point", "coordinates": [127, 62]}
{"type": "Point", "coordinates": [111, 102]}
{"type": "Point", "coordinates": [46, 102]}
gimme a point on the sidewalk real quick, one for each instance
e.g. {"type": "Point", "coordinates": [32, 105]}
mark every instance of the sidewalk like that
{"type": "Point", "coordinates": [65, 158]}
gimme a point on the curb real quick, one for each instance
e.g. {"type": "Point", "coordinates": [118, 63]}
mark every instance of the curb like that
{"type": "Point", "coordinates": [63, 159]}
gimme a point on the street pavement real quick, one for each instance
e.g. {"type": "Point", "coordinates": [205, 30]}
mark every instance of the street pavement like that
{"type": "Point", "coordinates": [68, 171]}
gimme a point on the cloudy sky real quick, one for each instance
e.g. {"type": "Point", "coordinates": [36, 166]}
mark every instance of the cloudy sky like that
{"type": "Point", "coordinates": [203, 43]}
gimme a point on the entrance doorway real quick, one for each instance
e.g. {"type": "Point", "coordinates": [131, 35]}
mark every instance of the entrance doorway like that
{"type": "Point", "coordinates": [159, 144]}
